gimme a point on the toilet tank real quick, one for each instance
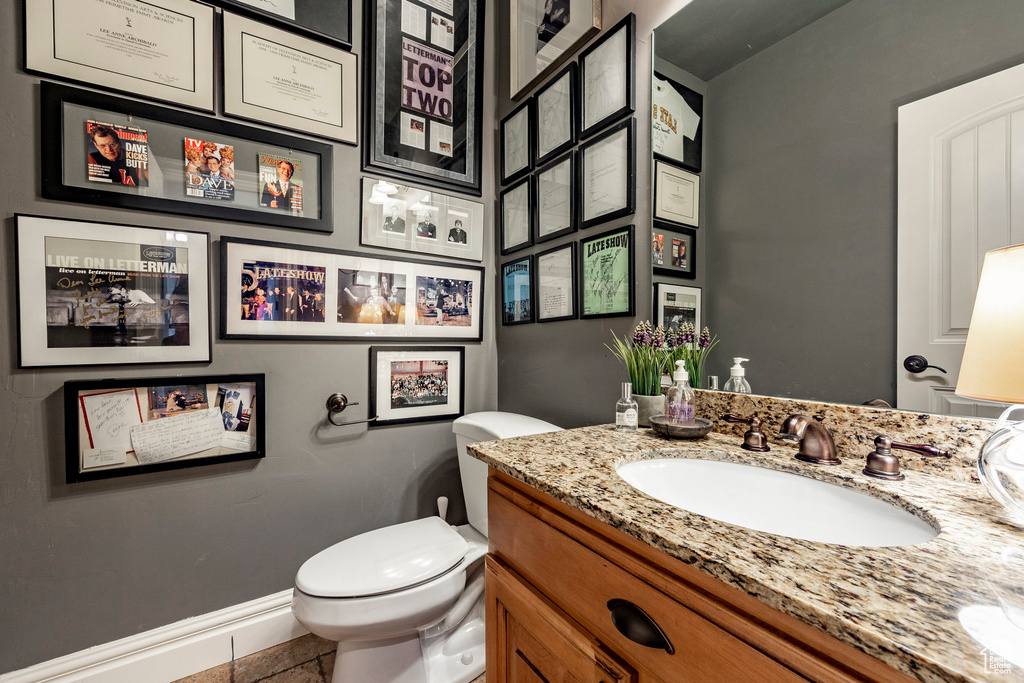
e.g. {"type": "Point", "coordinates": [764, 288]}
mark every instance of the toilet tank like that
{"type": "Point", "coordinates": [487, 426]}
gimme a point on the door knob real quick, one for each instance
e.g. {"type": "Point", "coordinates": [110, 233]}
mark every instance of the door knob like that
{"type": "Point", "coordinates": [918, 364]}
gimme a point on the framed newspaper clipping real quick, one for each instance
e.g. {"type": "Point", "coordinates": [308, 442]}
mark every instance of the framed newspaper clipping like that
{"type": "Point", "coordinates": [326, 20]}
{"type": "Point", "coordinates": [416, 383]}
{"type": "Point", "coordinates": [423, 90]}
{"type": "Point", "coordinates": [158, 49]}
{"type": "Point", "coordinates": [104, 294]}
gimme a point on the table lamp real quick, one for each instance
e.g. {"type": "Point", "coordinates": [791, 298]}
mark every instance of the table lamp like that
{"type": "Point", "coordinates": [993, 370]}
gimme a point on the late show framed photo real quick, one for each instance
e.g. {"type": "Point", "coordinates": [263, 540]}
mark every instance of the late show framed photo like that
{"type": "Point", "coordinates": [326, 20]}
{"type": "Point", "coordinates": [515, 214]}
{"type": "Point", "coordinates": [416, 384]}
{"type": "Point", "coordinates": [119, 427]}
{"type": "Point", "coordinates": [423, 91]}
{"type": "Point", "coordinates": [554, 194]}
{"type": "Point", "coordinates": [677, 129]}
{"type": "Point", "coordinates": [556, 284]}
{"type": "Point", "coordinates": [517, 282]}
{"type": "Point", "coordinates": [675, 305]}
{"type": "Point", "coordinates": [517, 134]}
{"type": "Point", "coordinates": [158, 49]}
{"type": "Point", "coordinates": [545, 33]}
{"type": "Point", "coordinates": [608, 77]}
{"type": "Point", "coordinates": [556, 113]}
{"type": "Point", "coordinates": [607, 175]}
{"type": "Point", "coordinates": [271, 290]}
{"type": "Point", "coordinates": [676, 195]}
{"type": "Point", "coordinates": [106, 294]}
{"type": "Point", "coordinates": [674, 251]}
{"type": "Point", "coordinates": [607, 274]}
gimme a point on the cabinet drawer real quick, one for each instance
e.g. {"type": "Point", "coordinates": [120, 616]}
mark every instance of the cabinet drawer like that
{"type": "Point", "coordinates": [582, 583]}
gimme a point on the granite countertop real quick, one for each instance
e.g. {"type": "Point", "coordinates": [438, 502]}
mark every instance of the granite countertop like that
{"type": "Point", "coordinates": [907, 606]}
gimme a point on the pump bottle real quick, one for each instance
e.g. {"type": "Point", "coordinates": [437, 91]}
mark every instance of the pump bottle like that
{"type": "Point", "coordinates": [680, 399]}
{"type": "Point", "coordinates": [737, 383]}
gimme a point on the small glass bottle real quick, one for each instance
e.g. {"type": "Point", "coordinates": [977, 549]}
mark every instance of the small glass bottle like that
{"type": "Point", "coordinates": [625, 410]}
{"type": "Point", "coordinates": [680, 399]}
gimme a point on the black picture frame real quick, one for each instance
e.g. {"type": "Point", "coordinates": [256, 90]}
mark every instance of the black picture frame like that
{"type": "Point", "coordinates": [627, 279]}
{"type": "Point", "coordinates": [629, 207]}
{"type": "Point", "coordinates": [76, 415]}
{"type": "Point", "coordinates": [383, 150]}
{"type": "Point", "coordinates": [391, 414]}
{"type": "Point", "coordinates": [509, 247]}
{"type": "Point", "coordinates": [665, 290]}
{"type": "Point", "coordinates": [329, 21]}
{"type": "Point", "coordinates": [55, 98]}
{"type": "Point", "coordinates": [573, 287]}
{"type": "Point", "coordinates": [628, 24]}
{"type": "Point", "coordinates": [523, 110]}
{"type": "Point", "coordinates": [514, 316]}
{"type": "Point", "coordinates": [693, 150]}
{"type": "Point", "coordinates": [571, 158]}
{"type": "Point", "coordinates": [538, 45]}
{"type": "Point", "coordinates": [571, 71]}
{"type": "Point", "coordinates": [670, 232]}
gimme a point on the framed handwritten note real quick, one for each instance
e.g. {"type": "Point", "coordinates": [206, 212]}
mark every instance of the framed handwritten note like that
{"type": "Point", "coordinates": [607, 274]}
{"type": "Point", "coordinates": [129, 426]}
{"type": "Point", "coordinates": [98, 293]}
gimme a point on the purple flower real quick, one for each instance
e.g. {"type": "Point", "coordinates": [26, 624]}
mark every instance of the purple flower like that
{"type": "Point", "coordinates": [705, 339]}
{"type": "Point", "coordinates": [642, 334]}
{"type": "Point", "coordinates": [686, 333]}
{"type": "Point", "coordinates": [658, 340]}
{"type": "Point", "coordinates": [671, 340]}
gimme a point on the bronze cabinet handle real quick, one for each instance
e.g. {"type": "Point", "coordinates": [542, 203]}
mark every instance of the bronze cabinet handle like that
{"type": "Point", "coordinates": [635, 624]}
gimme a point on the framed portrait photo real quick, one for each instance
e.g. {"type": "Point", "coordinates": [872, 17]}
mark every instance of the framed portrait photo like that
{"type": "Point", "coordinates": [555, 195]}
{"type": "Point", "coordinates": [416, 384]}
{"type": "Point", "coordinates": [608, 77]}
{"type": "Point", "coordinates": [543, 35]}
{"type": "Point", "coordinates": [675, 305]}
{"type": "Point", "coordinates": [677, 129]}
{"type": "Point", "coordinates": [676, 195]}
{"type": "Point", "coordinates": [326, 20]}
{"type": "Point", "coordinates": [674, 251]}
{"type": "Point", "coordinates": [556, 115]}
{"type": "Point", "coordinates": [104, 294]}
{"type": "Point", "coordinates": [607, 274]}
{"type": "Point", "coordinates": [515, 207]}
{"type": "Point", "coordinates": [517, 143]}
{"type": "Point", "coordinates": [607, 175]}
{"type": "Point", "coordinates": [556, 284]}
{"type": "Point", "coordinates": [517, 291]}
{"type": "Point", "coordinates": [118, 427]}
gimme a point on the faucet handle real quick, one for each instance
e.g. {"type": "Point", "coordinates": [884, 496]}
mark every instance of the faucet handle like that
{"type": "Point", "coordinates": [882, 464]}
{"type": "Point", "coordinates": [754, 439]}
{"type": "Point", "coordinates": [729, 417]}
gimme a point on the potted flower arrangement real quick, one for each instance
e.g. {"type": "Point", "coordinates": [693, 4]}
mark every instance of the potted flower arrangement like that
{"type": "Point", "coordinates": [686, 345]}
{"type": "Point", "coordinates": [644, 355]}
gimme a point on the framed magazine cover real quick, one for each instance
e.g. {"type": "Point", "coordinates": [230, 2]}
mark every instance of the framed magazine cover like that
{"type": "Point", "coordinates": [111, 151]}
{"type": "Point", "coordinates": [329, 21]}
{"type": "Point", "coordinates": [675, 305]}
{"type": "Point", "coordinates": [517, 284]}
{"type": "Point", "coordinates": [543, 34]}
{"type": "Point", "coordinates": [105, 294]}
{"type": "Point", "coordinates": [271, 290]}
{"type": "Point", "coordinates": [674, 251]}
{"type": "Point", "coordinates": [119, 427]}
{"type": "Point", "coordinates": [607, 274]}
{"type": "Point", "coordinates": [416, 384]}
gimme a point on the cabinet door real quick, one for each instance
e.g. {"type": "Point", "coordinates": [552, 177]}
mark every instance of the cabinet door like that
{"type": "Point", "coordinates": [530, 641]}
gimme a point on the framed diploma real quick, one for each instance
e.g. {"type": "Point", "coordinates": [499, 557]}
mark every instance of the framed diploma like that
{"type": "Point", "coordinates": [677, 129]}
{"type": "Point", "coordinates": [517, 143]}
{"type": "Point", "coordinates": [278, 78]}
{"type": "Point", "coordinates": [607, 274]}
{"type": "Point", "coordinates": [607, 175]}
{"type": "Point", "coordinates": [416, 383]}
{"type": "Point", "coordinates": [555, 114]}
{"type": "Point", "coordinates": [607, 77]}
{"type": "Point", "coordinates": [676, 195]}
{"type": "Point", "coordinates": [554, 192]}
{"type": "Point", "coordinates": [159, 49]}
{"type": "Point", "coordinates": [517, 291]}
{"type": "Point", "coordinates": [556, 284]}
{"type": "Point", "coordinates": [675, 305]}
{"type": "Point", "coordinates": [423, 91]}
{"type": "Point", "coordinates": [674, 251]}
{"type": "Point", "coordinates": [545, 33]}
{"type": "Point", "coordinates": [516, 216]}
{"type": "Point", "coordinates": [326, 20]}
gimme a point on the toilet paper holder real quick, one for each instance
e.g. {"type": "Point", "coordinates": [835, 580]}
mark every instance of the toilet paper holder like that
{"type": "Point", "coordinates": [337, 403]}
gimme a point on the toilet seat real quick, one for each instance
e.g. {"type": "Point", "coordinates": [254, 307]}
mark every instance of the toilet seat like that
{"type": "Point", "coordinates": [383, 561]}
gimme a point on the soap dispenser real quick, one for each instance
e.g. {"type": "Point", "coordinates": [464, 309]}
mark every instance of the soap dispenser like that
{"type": "Point", "coordinates": [737, 383]}
{"type": "Point", "coordinates": [680, 399]}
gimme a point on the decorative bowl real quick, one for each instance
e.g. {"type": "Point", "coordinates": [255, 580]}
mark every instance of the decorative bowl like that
{"type": "Point", "coordinates": [674, 430]}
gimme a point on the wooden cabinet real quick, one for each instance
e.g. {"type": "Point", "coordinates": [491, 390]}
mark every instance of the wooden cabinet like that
{"type": "Point", "coordinates": [572, 599]}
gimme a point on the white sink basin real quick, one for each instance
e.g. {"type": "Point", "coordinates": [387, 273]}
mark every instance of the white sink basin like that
{"type": "Point", "coordinates": [776, 502]}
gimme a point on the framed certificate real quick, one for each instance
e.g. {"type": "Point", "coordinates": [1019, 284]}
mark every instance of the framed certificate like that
{"type": "Point", "coordinates": [517, 143]}
{"type": "Point", "coordinates": [278, 78]}
{"type": "Point", "coordinates": [556, 284]}
{"type": "Point", "coordinates": [517, 291]}
{"type": "Point", "coordinates": [676, 195]}
{"type": "Point", "coordinates": [607, 77]}
{"type": "Point", "coordinates": [545, 33]}
{"type": "Point", "coordinates": [607, 274]}
{"type": "Point", "coordinates": [674, 251]}
{"type": "Point", "coordinates": [554, 192]}
{"type": "Point", "coordinates": [675, 305]}
{"type": "Point", "coordinates": [555, 114]}
{"type": "Point", "coordinates": [516, 216]}
{"type": "Point", "coordinates": [159, 49]}
{"type": "Point", "coordinates": [416, 383]}
{"type": "Point", "coordinates": [677, 129]}
{"type": "Point", "coordinates": [607, 175]}
{"type": "Point", "coordinates": [326, 20]}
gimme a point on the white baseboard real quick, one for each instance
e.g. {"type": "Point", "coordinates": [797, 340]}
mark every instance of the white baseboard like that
{"type": "Point", "coordinates": [177, 650]}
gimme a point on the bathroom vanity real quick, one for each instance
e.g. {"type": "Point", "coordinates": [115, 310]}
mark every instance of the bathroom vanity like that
{"type": "Point", "coordinates": [591, 577]}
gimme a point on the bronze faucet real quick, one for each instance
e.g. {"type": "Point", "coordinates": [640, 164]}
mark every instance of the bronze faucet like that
{"type": "Point", "coordinates": [754, 439]}
{"type": "Point", "coordinates": [816, 444]}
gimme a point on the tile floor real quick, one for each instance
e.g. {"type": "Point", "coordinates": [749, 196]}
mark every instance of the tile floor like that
{"type": "Point", "coordinates": [308, 659]}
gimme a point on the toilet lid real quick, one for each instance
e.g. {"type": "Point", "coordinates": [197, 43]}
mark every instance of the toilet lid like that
{"type": "Point", "coordinates": [383, 560]}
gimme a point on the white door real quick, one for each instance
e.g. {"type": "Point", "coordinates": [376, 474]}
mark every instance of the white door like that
{"type": "Point", "coordinates": [960, 194]}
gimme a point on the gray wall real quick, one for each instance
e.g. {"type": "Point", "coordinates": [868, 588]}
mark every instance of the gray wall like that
{"type": "Point", "coordinates": [89, 563]}
{"type": "Point", "coordinates": [802, 187]}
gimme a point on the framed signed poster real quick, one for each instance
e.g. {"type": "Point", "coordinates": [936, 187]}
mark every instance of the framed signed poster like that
{"type": "Point", "coordinates": [543, 34]}
{"type": "Point", "coordinates": [676, 122]}
{"type": "Point", "coordinates": [327, 20]}
{"type": "Point", "coordinates": [607, 274]}
{"type": "Point", "coordinates": [276, 77]}
{"type": "Point", "coordinates": [423, 90]}
{"type": "Point", "coordinates": [159, 49]}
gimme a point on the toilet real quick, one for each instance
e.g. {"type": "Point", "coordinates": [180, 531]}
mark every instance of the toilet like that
{"type": "Point", "coordinates": [406, 602]}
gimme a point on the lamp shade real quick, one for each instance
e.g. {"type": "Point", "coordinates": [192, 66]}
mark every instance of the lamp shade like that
{"type": "Point", "coordinates": [993, 365]}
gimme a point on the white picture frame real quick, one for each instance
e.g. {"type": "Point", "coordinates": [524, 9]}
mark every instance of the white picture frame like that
{"type": "Point", "coordinates": [677, 304]}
